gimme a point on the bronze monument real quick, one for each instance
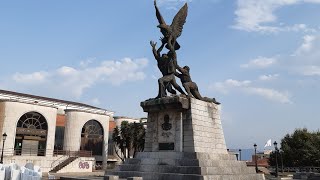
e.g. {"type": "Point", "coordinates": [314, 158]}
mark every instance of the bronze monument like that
{"type": "Point", "coordinates": [184, 139]}
{"type": "Point", "coordinates": [167, 62]}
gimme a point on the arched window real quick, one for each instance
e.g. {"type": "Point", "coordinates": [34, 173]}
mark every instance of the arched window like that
{"type": "Point", "coordinates": [32, 120]}
{"type": "Point", "coordinates": [31, 134]}
{"type": "Point", "coordinates": [92, 137]}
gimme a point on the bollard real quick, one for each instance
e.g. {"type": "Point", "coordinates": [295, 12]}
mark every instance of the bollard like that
{"type": "Point", "coordinates": [134, 178]}
{"type": "Point", "coordinates": [110, 177]}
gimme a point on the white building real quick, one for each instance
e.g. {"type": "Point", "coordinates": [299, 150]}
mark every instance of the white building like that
{"type": "Point", "coordinates": [52, 133]}
{"type": "Point", "coordinates": [119, 119]}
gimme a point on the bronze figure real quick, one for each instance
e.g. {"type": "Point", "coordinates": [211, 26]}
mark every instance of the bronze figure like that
{"type": "Point", "coordinates": [173, 31]}
{"type": "Point", "coordinates": [190, 86]}
{"type": "Point", "coordinates": [167, 64]}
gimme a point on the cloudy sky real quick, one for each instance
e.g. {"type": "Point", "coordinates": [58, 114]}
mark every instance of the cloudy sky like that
{"type": "Point", "coordinates": [259, 58]}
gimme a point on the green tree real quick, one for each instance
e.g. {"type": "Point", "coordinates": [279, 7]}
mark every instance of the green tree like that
{"type": "Point", "coordinates": [139, 134]}
{"type": "Point", "coordinates": [128, 139]}
{"type": "Point", "coordinates": [302, 148]}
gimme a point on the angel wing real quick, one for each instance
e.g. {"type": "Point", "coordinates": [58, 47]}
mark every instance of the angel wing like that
{"type": "Point", "coordinates": [179, 20]}
{"type": "Point", "coordinates": [158, 14]}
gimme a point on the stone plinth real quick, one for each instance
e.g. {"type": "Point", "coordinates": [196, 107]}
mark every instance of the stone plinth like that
{"type": "Point", "coordinates": [195, 125]}
{"type": "Point", "coordinates": [184, 141]}
{"type": "Point", "coordinates": [165, 123]}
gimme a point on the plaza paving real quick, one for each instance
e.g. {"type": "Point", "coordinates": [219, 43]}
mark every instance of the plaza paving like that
{"type": "Point", "coordinates": [92, 175]}
{"type": "Point", "coordinates": [98, 175]}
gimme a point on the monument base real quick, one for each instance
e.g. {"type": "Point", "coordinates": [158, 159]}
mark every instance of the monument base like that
{"type": "Point", "coordinates": [186, 166]}
{"type": "Point", "coordinates": [184, 141]}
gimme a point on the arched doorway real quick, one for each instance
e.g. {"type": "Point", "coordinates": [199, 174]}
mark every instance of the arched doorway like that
{"type": "Point", "coordinates": [92, 137]}
{"type": "Point", "coordinates": [31, 135]}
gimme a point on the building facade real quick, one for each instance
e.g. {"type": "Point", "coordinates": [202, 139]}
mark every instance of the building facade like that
{"type": "Point", "coordinates": [47, 131]}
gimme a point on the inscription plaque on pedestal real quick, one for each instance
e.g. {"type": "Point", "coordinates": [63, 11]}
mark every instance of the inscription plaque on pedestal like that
{"type": "Point", "coordinates": [166, 146]}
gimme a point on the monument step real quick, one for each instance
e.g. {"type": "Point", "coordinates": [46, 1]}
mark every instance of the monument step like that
{"type": "Point", "coordinates": [177, 176]}
{"type": "Point", "coordinates": [185, 155]}
{"type": "Point", "coordinates": [211, 163]}
{"type": "Point", "coordinates": [155, 176]}
{"type": "Point", "coordinates": [188, 169]}
{"type": "Point", "coordinates": [185, 162]}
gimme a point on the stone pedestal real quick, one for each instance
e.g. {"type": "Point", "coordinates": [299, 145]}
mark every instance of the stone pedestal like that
{"type": "Point", "coordinates": [184, 141]}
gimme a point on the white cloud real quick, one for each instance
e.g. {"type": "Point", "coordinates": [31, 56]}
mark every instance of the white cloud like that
{"type": "Point", "coordinates": [271, 94]}
{"type": "Point", "coordinates": [255, 15]}
{"type": "Point", "coordinates": [86, 62]}
{"type": "Point", "coordinates": [95, 101]}
{"type": "Point", "coordinates": [229, 84]}
{"type": "Point", "coordinates": [33, 78]}
{"type": "Point", "coordinates": [118, 72]}
{"type": "Point", "coordinates": [172, 1]}
{"type": "Point", "coordinates": [310, 70]}
{"type": "Point", "coordinates": [312, 1]}
{"type": "Point", "coordinates": [306, 59]}
{"type": "Point", "coordinates": [172, 4]}
{"type": "Point", "coordinates": [268, 77]}
{"type": "Point", "coordinates": [235, 83]}
{"type": "Point", "coordinates": [298, 27]}
{"type": "Point", "coordinates": [260, 62]}
{"type": "Point", "coordinates": [177, 4]}
{"type": "Point", "coordinates": [247, 87]}
{"type": "Point", "coordinates": [76, 80]}
{"type": "Point", "coordinates": [307, 45]}
{"type": "Point", "coordinates": [66, 71]}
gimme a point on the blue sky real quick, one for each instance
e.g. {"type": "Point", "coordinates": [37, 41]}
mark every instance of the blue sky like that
{"type": "Point", "coordinates": [259, 58]}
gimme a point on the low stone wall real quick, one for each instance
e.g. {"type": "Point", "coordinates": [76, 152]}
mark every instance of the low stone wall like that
{"type": "Point", "coordinates": [81, 164]}
{"type": "Point", "coordinates": [42, 161]}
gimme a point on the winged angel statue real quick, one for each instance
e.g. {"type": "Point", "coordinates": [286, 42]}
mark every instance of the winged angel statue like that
{"type": "Point", "coordinates": [173, 31]}
{"type": "Point", "coordinates": [167, 62]}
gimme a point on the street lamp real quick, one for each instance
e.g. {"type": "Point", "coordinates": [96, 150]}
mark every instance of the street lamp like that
{"type": "Point", "coordinates": [281, 157]}
{"type": "Point", "coordinates": [4, 136]}
{"type": "Point", "coordinates": [276, 152]}
{"type": "Point", "coordinates": [239, 154]}
{"type": "Point", "coordinates": [255, 156]}
{"type": "Point", "coordinates": [124, 150]}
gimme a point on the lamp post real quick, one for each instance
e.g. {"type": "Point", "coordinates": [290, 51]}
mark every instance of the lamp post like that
{"type": "Point", "coordinates": [255, 156]}
{"type": "Point", "coordinates": [281, 157]}
{"type": "Point", "coordinates": [125, 150]}
{"type": "Point", "coordinates": [276, 152]}
{"type": "Point", "coordinates": [4, 136]}
{"type": "Point", "coordinates": [239, 154]}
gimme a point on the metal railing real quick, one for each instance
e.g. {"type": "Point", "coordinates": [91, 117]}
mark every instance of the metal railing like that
{"type": "Point", "coordinates": [67, 155]}
{"type": "Point", "coordinates": [29, 152]}
{"type": "Point", "coordinates": [59, 161]}
{"type": "Point", "coordinates": [297, 169]}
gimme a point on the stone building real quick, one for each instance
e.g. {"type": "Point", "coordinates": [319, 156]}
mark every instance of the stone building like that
{"type": "Point", "coordinates": [262, 159]}
{"type": "Point", "coordinates": [50, 132]}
